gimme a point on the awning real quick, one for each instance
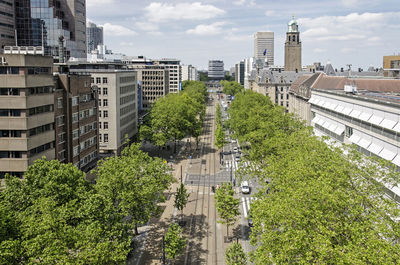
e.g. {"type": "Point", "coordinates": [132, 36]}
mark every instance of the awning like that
{"type": "Point", "coordinates": [397, 127]}
{"type": "Point", "coordinates": [375, 148]}
{"type": "Point", "coordinates": [364, 143]}
{"type": "Point", "coordinates": [396, 160]}
{"type": "Point", "coordinates": [387, 154]}
{"type": "Point", "coordinates": [375, 119]}
{"type": "Point", "coordinates": [355, 113]}
{"type": "Point", "coordinates": [340, 129]}
{"type": "Point", "coordinates": [354, 138]}
{"type": "Point", "coordinates": [388, 124]}
{"type": "Point", "coordinates": [332, 127]}
{"type": "Point", "coordinates": [365, 116]}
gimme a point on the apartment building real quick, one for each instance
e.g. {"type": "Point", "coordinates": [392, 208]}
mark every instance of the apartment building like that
{"type": "Point", "coordinates": [76, 116]}
{"type": "Point", "coordinates": [27, 111]}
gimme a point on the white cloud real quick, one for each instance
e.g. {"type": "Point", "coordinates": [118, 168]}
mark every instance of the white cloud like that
{"type": "Point", "coordinates": [146, 26]}
{"type": "Point", "coordinates": [162, 12]}
{"type": "Point", "coordinates": [94, 3]}
{"type": "Point", "coordinates": [359, 3]}
{"type": "Point", "coordinates": [319, 50]}
{"type": "Point", "coordinates": [353, 26]}
{"type": "Point", "coordinates": [270, 13]}
{"type": "Point", "coordinates": [244, 3]}
{"type": "Point", "coordinates": [347, 50]}
{"type": "Point", "coordinates": [117, 30]}
{"type": "Point", "coordinates": [203, 29]}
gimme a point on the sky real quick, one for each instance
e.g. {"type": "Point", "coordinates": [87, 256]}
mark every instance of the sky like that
{"type": "Point", "coordinates": [357, 32]}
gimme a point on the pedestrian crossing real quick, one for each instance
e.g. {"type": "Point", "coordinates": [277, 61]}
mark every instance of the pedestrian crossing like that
{"type": "Point", "coordinates": [246, 203]}
{"type": "Point", "coordinates": [235, 165]}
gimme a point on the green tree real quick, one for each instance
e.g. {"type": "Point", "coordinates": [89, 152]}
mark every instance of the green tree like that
{"type": "Point", "coordinates": [219, 137]}
{"type": "Point", "coordinates": [227, 205]}
{"type": "Point", "coordinates": [235, 255]}
{"type": "Point", "coordinates": [181, 198]}
{"type": "Point", "coordinates": [231, 87]}
{"type": "Point", "coordinates": [175, 242]}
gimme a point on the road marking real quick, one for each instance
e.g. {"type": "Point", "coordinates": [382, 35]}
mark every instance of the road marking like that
{"type": "Point", "coordinates": [244, 207]}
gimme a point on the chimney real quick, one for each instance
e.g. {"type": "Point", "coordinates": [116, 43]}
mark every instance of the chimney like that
{"type": "Point", "coordinates": [61, 49]}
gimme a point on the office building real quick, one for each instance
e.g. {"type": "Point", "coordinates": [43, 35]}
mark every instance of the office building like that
{"type": "Point", "coordinates": [264, 46]}
{"type": "Point", "coordinates": [189, 72]}
{"type": "Point", "coordinates": [293, 48]}
{"type": "Point", "coordinates": [216, 70]}
{"type": "Point", "coordinates": [154, 84]}
{"type": "Point", "coordinates": [174, 73]}
{"type": "Point", "coordinates": [391, 66]}
{"type": "Point", "coordinates": [76, 114]}
{"type": "Point", "coordinates": [239, 72]}
{"type": "Point", "coordinates": [42, 23]}
{"type": "Point", "coordinates": [7, 23]}
{"type": "Point", "coordinates": [27, 111]}
{"type": "Point", "coordinates": [94, 36]}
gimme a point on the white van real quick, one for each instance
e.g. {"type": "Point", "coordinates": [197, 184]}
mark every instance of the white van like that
{"type": "Point", "coordinates": [245, 187]}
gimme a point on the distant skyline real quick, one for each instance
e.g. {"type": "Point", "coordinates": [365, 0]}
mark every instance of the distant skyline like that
{"type": "Point", "coordinates": [357, 32]}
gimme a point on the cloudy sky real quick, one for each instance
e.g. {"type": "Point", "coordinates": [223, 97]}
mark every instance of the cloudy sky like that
{"type": "Point", "coordinates": [357, 32]}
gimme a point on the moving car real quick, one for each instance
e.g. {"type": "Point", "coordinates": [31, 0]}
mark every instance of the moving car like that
{"type": "Point", "coordinates": [245, 187]}
{"type": "Point", "coordinates": [237, 158]}
{"type": "Point", "coordinates": [250, 221]}
{"type": "Point", "coordinates": [235, 149]}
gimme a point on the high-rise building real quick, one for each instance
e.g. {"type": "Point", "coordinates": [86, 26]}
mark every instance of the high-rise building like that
{"type": "Point", "coordinates": [239, 72]}
{"type": "Point", "coordinates": [264, 46]}
{"type": "Point", "coordinates": [175, 74]}
{"type": "Point", "coordinates": [154, 84]}
{"type": "Point", "coordinates": [42, 23]}
{"type": "Point", "coordinates": [216, 70]}
{"type": "Point", "coordinates": [189, 72]}
{"type": "Point", "coordinates": [293, 48]}
{"type": "Point", "coordinates": [94, 36]}
{"type": "Point", "coordinates": [27, 111]}
{"type": "Point", "coordinates": [7, 23]}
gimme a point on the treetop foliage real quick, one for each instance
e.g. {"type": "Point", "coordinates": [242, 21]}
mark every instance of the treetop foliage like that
{"type": "Point", "coordinates": [318, 204]}
{"type": "Point", "coordinates": [231, 87]}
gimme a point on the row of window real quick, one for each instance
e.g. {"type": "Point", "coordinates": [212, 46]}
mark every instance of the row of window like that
{"type": "Point", "coordinates": [105, 113]}
{"type": "Point", "coordinates": [41, 109]}
{"type": "Point", "coordinates": [98, 80]}
{"type": "Point", "coordinates": [126, 79]}
{"type": "Point", "coordinates": [105, 125]}
{"type": "Point", "coordinates": [87, 159]}
{"type": "Point", "coordinates": [128, 119]}
{"type": "Point", "coordinates": [10, 112]}
{"type": "Point", "coordinates": [88, 143]}
{"type": "Point", "coordinates": [103, 138]}
{"type": "Point", "coordinates": [87, 128]}
{"type": "Point", "coordinates": [153, 83]}
{"type": "Point", "coordinates": [41, 129]}
{"type": "Point", "coordinates": [41, 149]}
{"type": "Point", "coordinates": [126, 89]}
{"type": "Point", "coordinates": [10, 133]}
{"type": "Point", "coordinates": [127, 99]}
{"type": "Point", "coordinates": [9, 91]}
{"type": "Point", "coordinates": [105, 91]}
{"type": "Point", "coordinates": [127, 109]}
{"type": "Point", "coordinates": [6, 14]}
{"type": "Point", "coordinates": [10, 154]}
{"type": "Point", "coordinates": [6, 2]}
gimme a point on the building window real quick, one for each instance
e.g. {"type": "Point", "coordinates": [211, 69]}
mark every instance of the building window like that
{"type": "Point", "coordinates": [60, 120]}
{"type": "Point", "coordinates": [99, 102]}
{"type": "Point", "coordinates": [105, 125]}
{"type": "Point", "coordinates": [61, 155]}
{"type": "Point", "coordinates": [98, 80]}
{"type": "Point", "coordinates": [99, 113]}
{"type": "Point", "coordinates": [75, 117]}
{"type": "Point", "coordinates": [100, 139]}
{"type": "Point", "coordinates": [92, 80]}
{"type": "Point", "coordinates": [59, 103]}
{"type": "Point", "coordinates": [99, 125]}
{"type": "Point", "coordinates": [106, 137]}
{"type": "Point", "coordinates": [99, 92]}
{"type": "Point", "coordinates": [75, 134]}
{"type": "Point", "coordinates": [61, 138]}
{"type": "Point", "coordinates": [76, 150]}
{"type": "Point", "coordinates": [105, 102]}
{"type": "Point", "coordinates": [105, 114]}
{"type": "Point", "coordinates": [349, 132]}
{"type": "Point", "coordinates": [75, 101]}
{"type": "Point", "coordinates": [105, 91]}
{"type": "Point", "coordinates": [105, 81]}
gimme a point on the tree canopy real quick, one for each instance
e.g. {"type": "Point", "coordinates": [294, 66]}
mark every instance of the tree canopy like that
{"type": "Point", "coordinates": [176, 115]}
{"type": "Point", "coordinates": [55, 216]}
{"type": "Point", "coordinates": [231, 87]}
{"type": "Point", "coordinates": [318, 204]}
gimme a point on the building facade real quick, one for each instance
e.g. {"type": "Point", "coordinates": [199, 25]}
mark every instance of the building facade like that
{"type": "Point", "coordinates": [27, 112]}
{"type": "Point", "coordinates": [174, 71]}
{"type": "Point", "coordinates": [42, 23]}
{"type": "Point", "coordinates": [239, 72]}
{"type": "Point", "coordinates": [293, 48]}
{"type": "Point", "coordinates": [391, 66]}
{"type": "Point", "coordinates": [154, 84]}
{"type": "Point", "coordinates": [94, 36]}
{"type": "Point", "coordinates": [264, 46]}
{"type": "Point", "coordinates": [189, 72]}
{"type": "Point", "coordinates": [216, 70]}
{"type": "Point", "coordinates": [7, 23]}
{"type": "Point", "coordinates": [76, 114]}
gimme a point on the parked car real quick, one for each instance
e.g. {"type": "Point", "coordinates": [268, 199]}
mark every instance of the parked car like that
{"type": "Point", "coordinates": [250, 221]}
{"type": "Point", "coordinates": [237, 158]}
{"type": "Point", "coordinates": [235, 149]}
{"type": "Point", "coordinates": [245, 187]}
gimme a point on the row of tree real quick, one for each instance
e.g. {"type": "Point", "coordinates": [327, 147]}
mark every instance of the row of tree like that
{"type": "Point", "coordinates": [176, 116]}
{"type": "Point", "coordinates": [231, 87]}
{"type": "Point", "coordinates": [55, 216]}
{"type": "Point", "coordinates": [318, 204]}
{"type": "Point", "coordinates": [219, 129]}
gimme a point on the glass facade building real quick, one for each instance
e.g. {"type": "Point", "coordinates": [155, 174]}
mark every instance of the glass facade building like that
{"type": "Point", "coordinates": [42, 22]}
